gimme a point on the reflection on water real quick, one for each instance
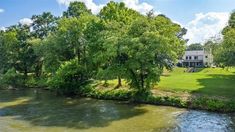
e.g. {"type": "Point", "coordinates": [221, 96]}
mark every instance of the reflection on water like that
{"type": "Point", "coordinates": [35, 110]}
{"type": "Point", "coordinates": [198, 121]}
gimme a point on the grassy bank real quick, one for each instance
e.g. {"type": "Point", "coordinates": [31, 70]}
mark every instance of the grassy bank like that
{"type": "Point", "coordinates": [213, 82]}
{"type": "Point", "coordinates": [169, 97]}
{"type": "Point", "coordinates": [201, 103]}
{"type": "Point", "coordinates": [210, 89]}
{"type": "Point", "coordinates": [207, 89]}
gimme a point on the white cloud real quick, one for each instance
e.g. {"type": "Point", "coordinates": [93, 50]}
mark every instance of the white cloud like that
{"type": "Point", "coordinates": [1, 10]}
{"type": "Point", "coordinates": [205, 26]}
{"type": "Point", "coordinates": [2, 28]}
{"type": "Point", "coordinates": [26, 21]}
{"type": "Point", "coordinates": [177, 23]}
{"type": "Point", "coordinates": [95, 8]}
{"type": "Point", "coordinates": [140, 7]}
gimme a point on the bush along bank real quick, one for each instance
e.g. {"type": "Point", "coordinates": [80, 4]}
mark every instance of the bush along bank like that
{"type": "Point", "coordinates": [212, 104]}
{"type": "Point", "coordinates": [198, 103]}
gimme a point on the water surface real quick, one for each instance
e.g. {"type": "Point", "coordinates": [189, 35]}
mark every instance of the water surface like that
{"type": "Point", "coordinates": [40, 111]}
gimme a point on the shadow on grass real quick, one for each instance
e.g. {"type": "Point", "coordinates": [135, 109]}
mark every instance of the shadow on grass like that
{"type": "Point", "coordinates": [49, 110]}
{"type": "Point", "coordinates": [217, 85]}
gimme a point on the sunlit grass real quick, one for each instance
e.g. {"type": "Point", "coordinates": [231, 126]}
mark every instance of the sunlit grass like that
{"type": "Point", "coordinates": [207, 81]}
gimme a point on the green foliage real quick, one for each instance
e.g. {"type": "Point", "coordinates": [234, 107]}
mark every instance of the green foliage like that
{"type": "Point", "coordinates": [119, 94]}
{"type": "Point", "coordinates": [12, 78]}
{"type": "Point", "coordinates": [8, 47]}
{"type": "Point", "coordinates": [67, 42]}
{"type": "Point", "coordinates": [36, 82]}
{"type": "Point", "coordinates": [118, 12]}
{"type": "Point", "coordinates": [226, 54]}
{"type": "Point", "coordinates": [117, 43]}
{"type": "Point", "coordinates": [213, 47]}
{"type": "Point", "coordinates": [231, 21]}
{"type": "Point", "coordinates": [165, 100]}
{"type": "Point", "coordinates": [43, 24]}
{"type": "Point", "coordinates": [213, 104]}
{"type": "Point", "coordinates": [76, 9]}
{"type": "Point", "coordinates": [69, 78]}
{"type": "Point", "coordinates": [18, 51]}
{"type": "Point", "coordinates": [150, 48]}
{"type": "Point", "coordinates": [196, 46]}
{"type": "Point", "coordinates": [38, 48]}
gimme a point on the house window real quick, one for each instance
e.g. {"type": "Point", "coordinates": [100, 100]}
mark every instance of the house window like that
{"type": "Point", "coordinates": [186, 57]}
{"type": "Point", "coordinates": [190, 57]}
{"type": "Point", "coordinates": [206, 56]}
{"type": "Point", "coordinates": [195, 57]}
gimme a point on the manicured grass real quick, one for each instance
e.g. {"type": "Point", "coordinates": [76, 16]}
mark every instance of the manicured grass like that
{"type": "Point", "coordinates": [208, 81]}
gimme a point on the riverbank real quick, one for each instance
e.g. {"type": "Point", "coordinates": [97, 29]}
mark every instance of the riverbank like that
{"type": "Point", "coordinates": [177, 88]}
{"type": "Point", "coordinates": [159, 97]}
{"type": "Point", "coordinates": [40, 110]}
{"type": "Point", "coordinates": [156, 97]}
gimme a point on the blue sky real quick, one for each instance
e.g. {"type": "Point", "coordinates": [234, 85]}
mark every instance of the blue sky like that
{"type": "Point", "coordinates": [202, 18]}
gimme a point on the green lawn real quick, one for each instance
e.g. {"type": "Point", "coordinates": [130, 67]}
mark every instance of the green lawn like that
{"type": "Point", "coordinates": [207, 81]}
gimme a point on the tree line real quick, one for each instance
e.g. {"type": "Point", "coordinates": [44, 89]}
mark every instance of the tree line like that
{"type": "Point", "coordinates": [67, 52]}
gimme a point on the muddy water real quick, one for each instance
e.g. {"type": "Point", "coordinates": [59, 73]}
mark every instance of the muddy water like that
{"type": "Point", "coordinates": [42, 111]}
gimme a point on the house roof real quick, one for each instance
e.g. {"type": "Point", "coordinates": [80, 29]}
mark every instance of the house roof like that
{"type": "Point", "coordinates": [195, 52]}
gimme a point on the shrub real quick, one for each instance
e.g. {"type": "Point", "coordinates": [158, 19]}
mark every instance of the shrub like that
{"type": "Point", "coordinates": [165, 100]}
{"type": "Point", "coordinates": [34, 82]}
{"type": "Point", "coordinates": [69, 78]}
{"type": "Point", "coordinates": [117, 94]}
{"type": "Point", "coordinates": [213, 104]}
{"type": "Point", "coordinates": [12, 78]}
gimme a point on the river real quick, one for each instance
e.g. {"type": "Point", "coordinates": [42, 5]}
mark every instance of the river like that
{"type": "Point", "coordinates": [42, 111]}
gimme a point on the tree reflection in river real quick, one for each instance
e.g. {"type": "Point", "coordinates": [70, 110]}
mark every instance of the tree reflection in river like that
{"type": "Point", "coordinates": [39, 110]}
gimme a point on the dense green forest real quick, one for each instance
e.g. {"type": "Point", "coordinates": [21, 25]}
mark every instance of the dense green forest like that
{"type": "Point", "coordinates": [68, 52]}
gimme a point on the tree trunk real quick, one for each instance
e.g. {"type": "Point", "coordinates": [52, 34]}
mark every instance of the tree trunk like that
{"type": "Point", "coordinates": [78, 55]}
{"type": "Point", "coordinates": [119, 83]}
{"type": "Point", "coordinates": [105, 83]}
{"type": "Point", "coordinates": [38, 69]}
{"type": "Point", "coordinates": [135, 81]}
{"type": "Point", "coordinates": [25, 73]}
{"type": "Point", "coordinates": [142, 80]}
{"type": "Point", "coordinates": [142, 77]}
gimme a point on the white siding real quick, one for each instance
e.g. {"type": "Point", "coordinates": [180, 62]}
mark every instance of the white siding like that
{"type": "Point", "coordinates": [201, 55]}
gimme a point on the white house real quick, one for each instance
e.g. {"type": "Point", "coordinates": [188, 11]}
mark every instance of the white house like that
{"type": "Point", "coordinates": [197, 58]}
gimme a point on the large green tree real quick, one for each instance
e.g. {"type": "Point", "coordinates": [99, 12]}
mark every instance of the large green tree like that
{"type": "Point", "coordinates": [68, 42]}
{"type": "Point", "coordinates": [115, 11]}
{"type": "Point", "coordinates": [116, 19]}
{"type": "Point", "coordinates": [19, 51]}
{"type": "Point", "coordinates": [26, 56]}
{"type": "Point", "coordinates": [9, 48]}
{"type": "Point", "coordinates": [231, 23]}
{"type": "Point", "coordinates": [76, 9]}
{"type": "Point", "coordinates": [43, 24]}
{"type": "Point", "coordinates": [151, 45]}
{"type": "Point", "coordinates": [226, 53]}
